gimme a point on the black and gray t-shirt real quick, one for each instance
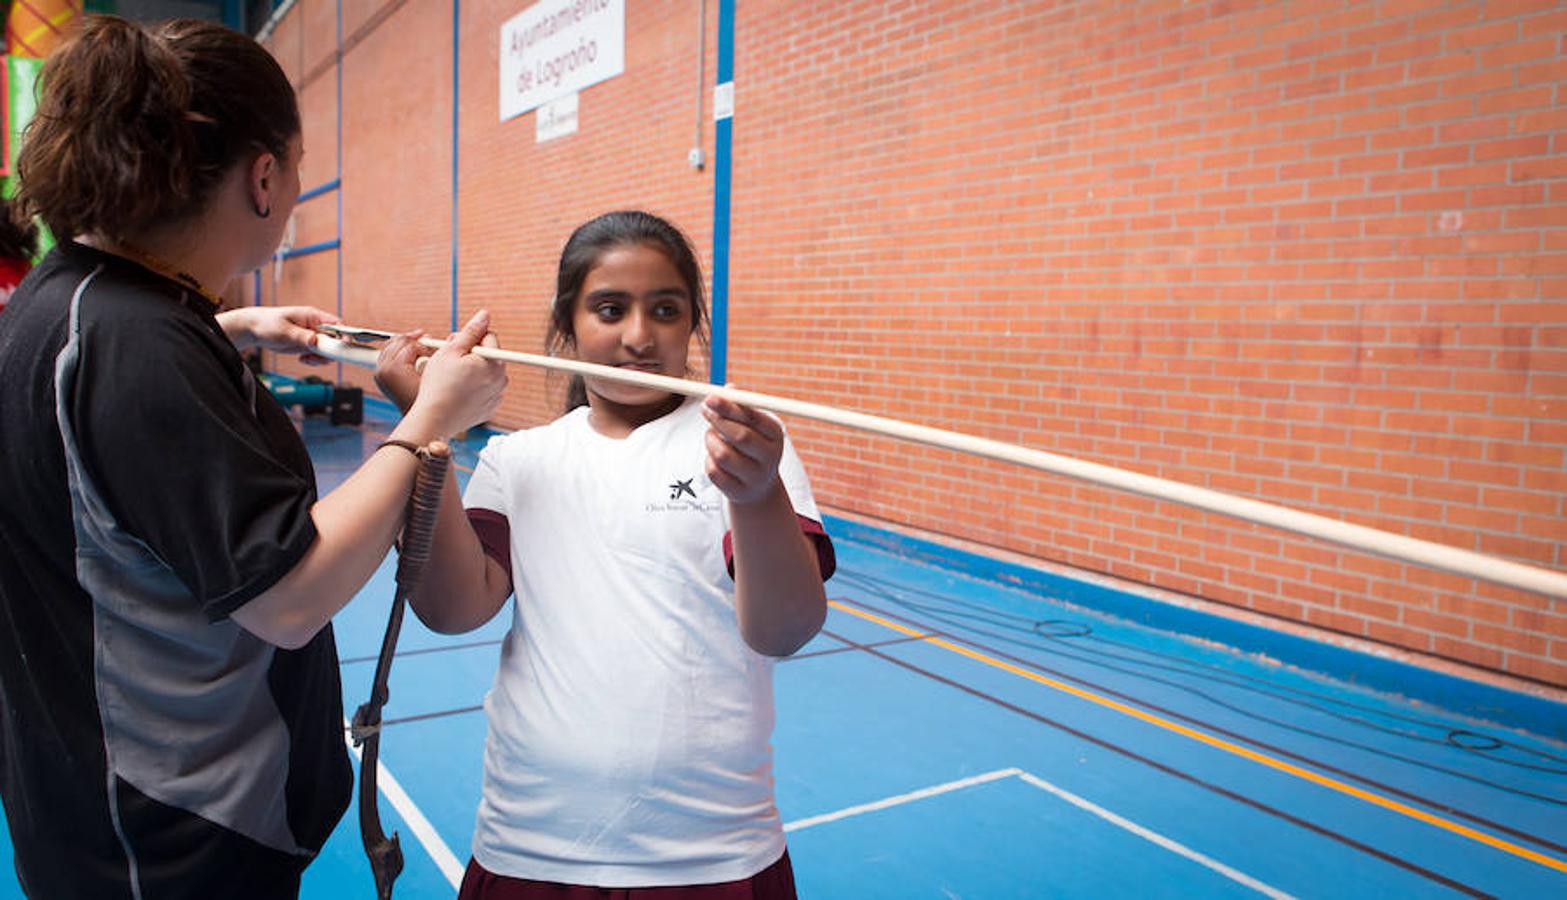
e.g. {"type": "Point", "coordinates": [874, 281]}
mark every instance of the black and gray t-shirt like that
{"type": "Point", "coordinates": [150, 747]}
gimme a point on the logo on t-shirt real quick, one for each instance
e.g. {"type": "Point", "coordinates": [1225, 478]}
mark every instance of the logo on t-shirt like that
{"type": "Point", "coordinates": [683, 498]}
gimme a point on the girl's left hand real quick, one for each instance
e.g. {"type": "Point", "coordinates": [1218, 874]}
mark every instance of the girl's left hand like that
{"type": "Point", "coordinates": [397, 368]}
{"type": "Point", "coordinates": [284, 329]}
{"type": "Point", "coordinates": [743, 449]}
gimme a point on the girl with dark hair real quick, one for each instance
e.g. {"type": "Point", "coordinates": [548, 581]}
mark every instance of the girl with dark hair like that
{"type": "Point", "coordinates": [173, 722]}
{"type": "Point", "coordinates": [581, 254]}
{"type": "Point", "coordinates": [663, 552]}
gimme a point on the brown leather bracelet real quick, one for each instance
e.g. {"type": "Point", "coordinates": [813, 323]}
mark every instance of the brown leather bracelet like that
{"type": "Point", "coordinates": [411, 447]}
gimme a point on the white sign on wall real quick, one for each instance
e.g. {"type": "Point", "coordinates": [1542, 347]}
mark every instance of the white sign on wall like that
{"type": "Point", "coordinates": [558, 47]}
{"type": "Point", "coordinates": [556, 118]}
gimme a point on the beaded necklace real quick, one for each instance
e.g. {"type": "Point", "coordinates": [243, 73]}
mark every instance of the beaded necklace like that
{"type": "Point", "coordinates": [157, 264]}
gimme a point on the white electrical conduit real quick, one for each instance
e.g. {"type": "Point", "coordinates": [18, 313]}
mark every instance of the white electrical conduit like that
{"type": "Point", "coordinates": [1359, 537]}
{"type": "Point", "coordinates": [272, 21]}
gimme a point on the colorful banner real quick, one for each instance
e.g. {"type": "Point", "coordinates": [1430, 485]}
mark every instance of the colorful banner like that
{"type": "Point", "coordinates": [35, 27]}
{"type": "Point", "coordinates": [21, 101]}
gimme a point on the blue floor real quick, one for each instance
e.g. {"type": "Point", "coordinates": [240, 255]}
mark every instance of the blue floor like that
{"type": "Point", "coordinates": [953, 736]}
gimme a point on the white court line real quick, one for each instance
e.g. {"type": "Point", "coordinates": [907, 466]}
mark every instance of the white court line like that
{"type": "Point", "coordinates": [1086, 805]}
{"type": "Point", "coordinates": [901, 799]}
{"type": "Point", "coordinates": [445, 859]}
{"type": "Point", "coordinates": [1155, 837]}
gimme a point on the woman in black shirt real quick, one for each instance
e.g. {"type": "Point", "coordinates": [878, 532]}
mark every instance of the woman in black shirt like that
{"type": "Point", "coordinates": [173, 721]}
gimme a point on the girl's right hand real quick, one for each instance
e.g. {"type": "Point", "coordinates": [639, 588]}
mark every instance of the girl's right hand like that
{"type": "Point", "coordinates": [457, 388]}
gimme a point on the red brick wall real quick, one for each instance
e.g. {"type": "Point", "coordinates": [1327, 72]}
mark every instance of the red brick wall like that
{"type": "Point", "coordinates": [1313, 253]}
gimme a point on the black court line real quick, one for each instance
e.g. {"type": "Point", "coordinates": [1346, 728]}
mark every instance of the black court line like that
{"type": "Point", "coordinates": [403, 720]}
{"type": "Point", "coordinates": [406, 718]}
{"type": "Point", "coordinates": [401, 653]}
{"type": "Point", "coordinates": [1176, 773]}
{"type": "Point", "coordinates": [1199, 722]}
{"type": "Point", "coordinates": [847, 649]}
{"type": "Point", "coordinates": [1061, 643]}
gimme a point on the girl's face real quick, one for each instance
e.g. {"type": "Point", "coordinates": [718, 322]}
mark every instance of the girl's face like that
{"type": "Point", "coordinates": [633, 312]}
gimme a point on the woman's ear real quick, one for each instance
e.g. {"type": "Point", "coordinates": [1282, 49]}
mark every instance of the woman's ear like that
{"type": "Point", "coordinates": [258, 183]}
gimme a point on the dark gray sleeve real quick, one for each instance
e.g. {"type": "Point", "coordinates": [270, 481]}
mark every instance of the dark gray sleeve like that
{"type": "Point", "coordinates": [169, 429]}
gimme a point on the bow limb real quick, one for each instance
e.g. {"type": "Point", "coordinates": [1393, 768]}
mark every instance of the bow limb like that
{"type": "Point", "coordinates": [385, 853]}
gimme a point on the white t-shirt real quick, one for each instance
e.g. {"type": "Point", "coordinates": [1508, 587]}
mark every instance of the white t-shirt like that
{"type": "Point", "coordinates": [629, 722]}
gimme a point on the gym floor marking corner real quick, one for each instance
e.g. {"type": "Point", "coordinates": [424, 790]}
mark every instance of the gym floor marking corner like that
{"type": "Point", "coordinates": [1212, 741]}
{"type": "Point", "coordinates": [1119, 821]}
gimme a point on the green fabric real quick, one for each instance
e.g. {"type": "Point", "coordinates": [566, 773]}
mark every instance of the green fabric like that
{"type": "Point", "coordinates": [22, 81]}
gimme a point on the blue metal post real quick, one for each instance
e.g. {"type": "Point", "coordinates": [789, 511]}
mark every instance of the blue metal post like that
{"type": "Point", "coordinates": [456, 46]}
{"type": "Point", "coordinates": [723, 137]}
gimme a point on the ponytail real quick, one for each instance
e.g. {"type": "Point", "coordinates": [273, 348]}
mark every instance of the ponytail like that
{"type": "Point", "coordinates": [136, 125]}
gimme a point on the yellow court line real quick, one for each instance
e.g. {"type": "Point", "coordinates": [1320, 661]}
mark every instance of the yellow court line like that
{"type": "Point", "coordinates": [1221, 744]}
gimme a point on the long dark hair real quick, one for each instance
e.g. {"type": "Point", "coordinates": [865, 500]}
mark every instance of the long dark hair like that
{"type": "Point", "coordinates": [137, 124]}
{"type": "Point", "coordinates": [587, 245]}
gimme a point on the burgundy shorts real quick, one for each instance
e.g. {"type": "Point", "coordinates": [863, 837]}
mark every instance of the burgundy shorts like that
{"type": "Point", "coordinates": [776, 882]}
